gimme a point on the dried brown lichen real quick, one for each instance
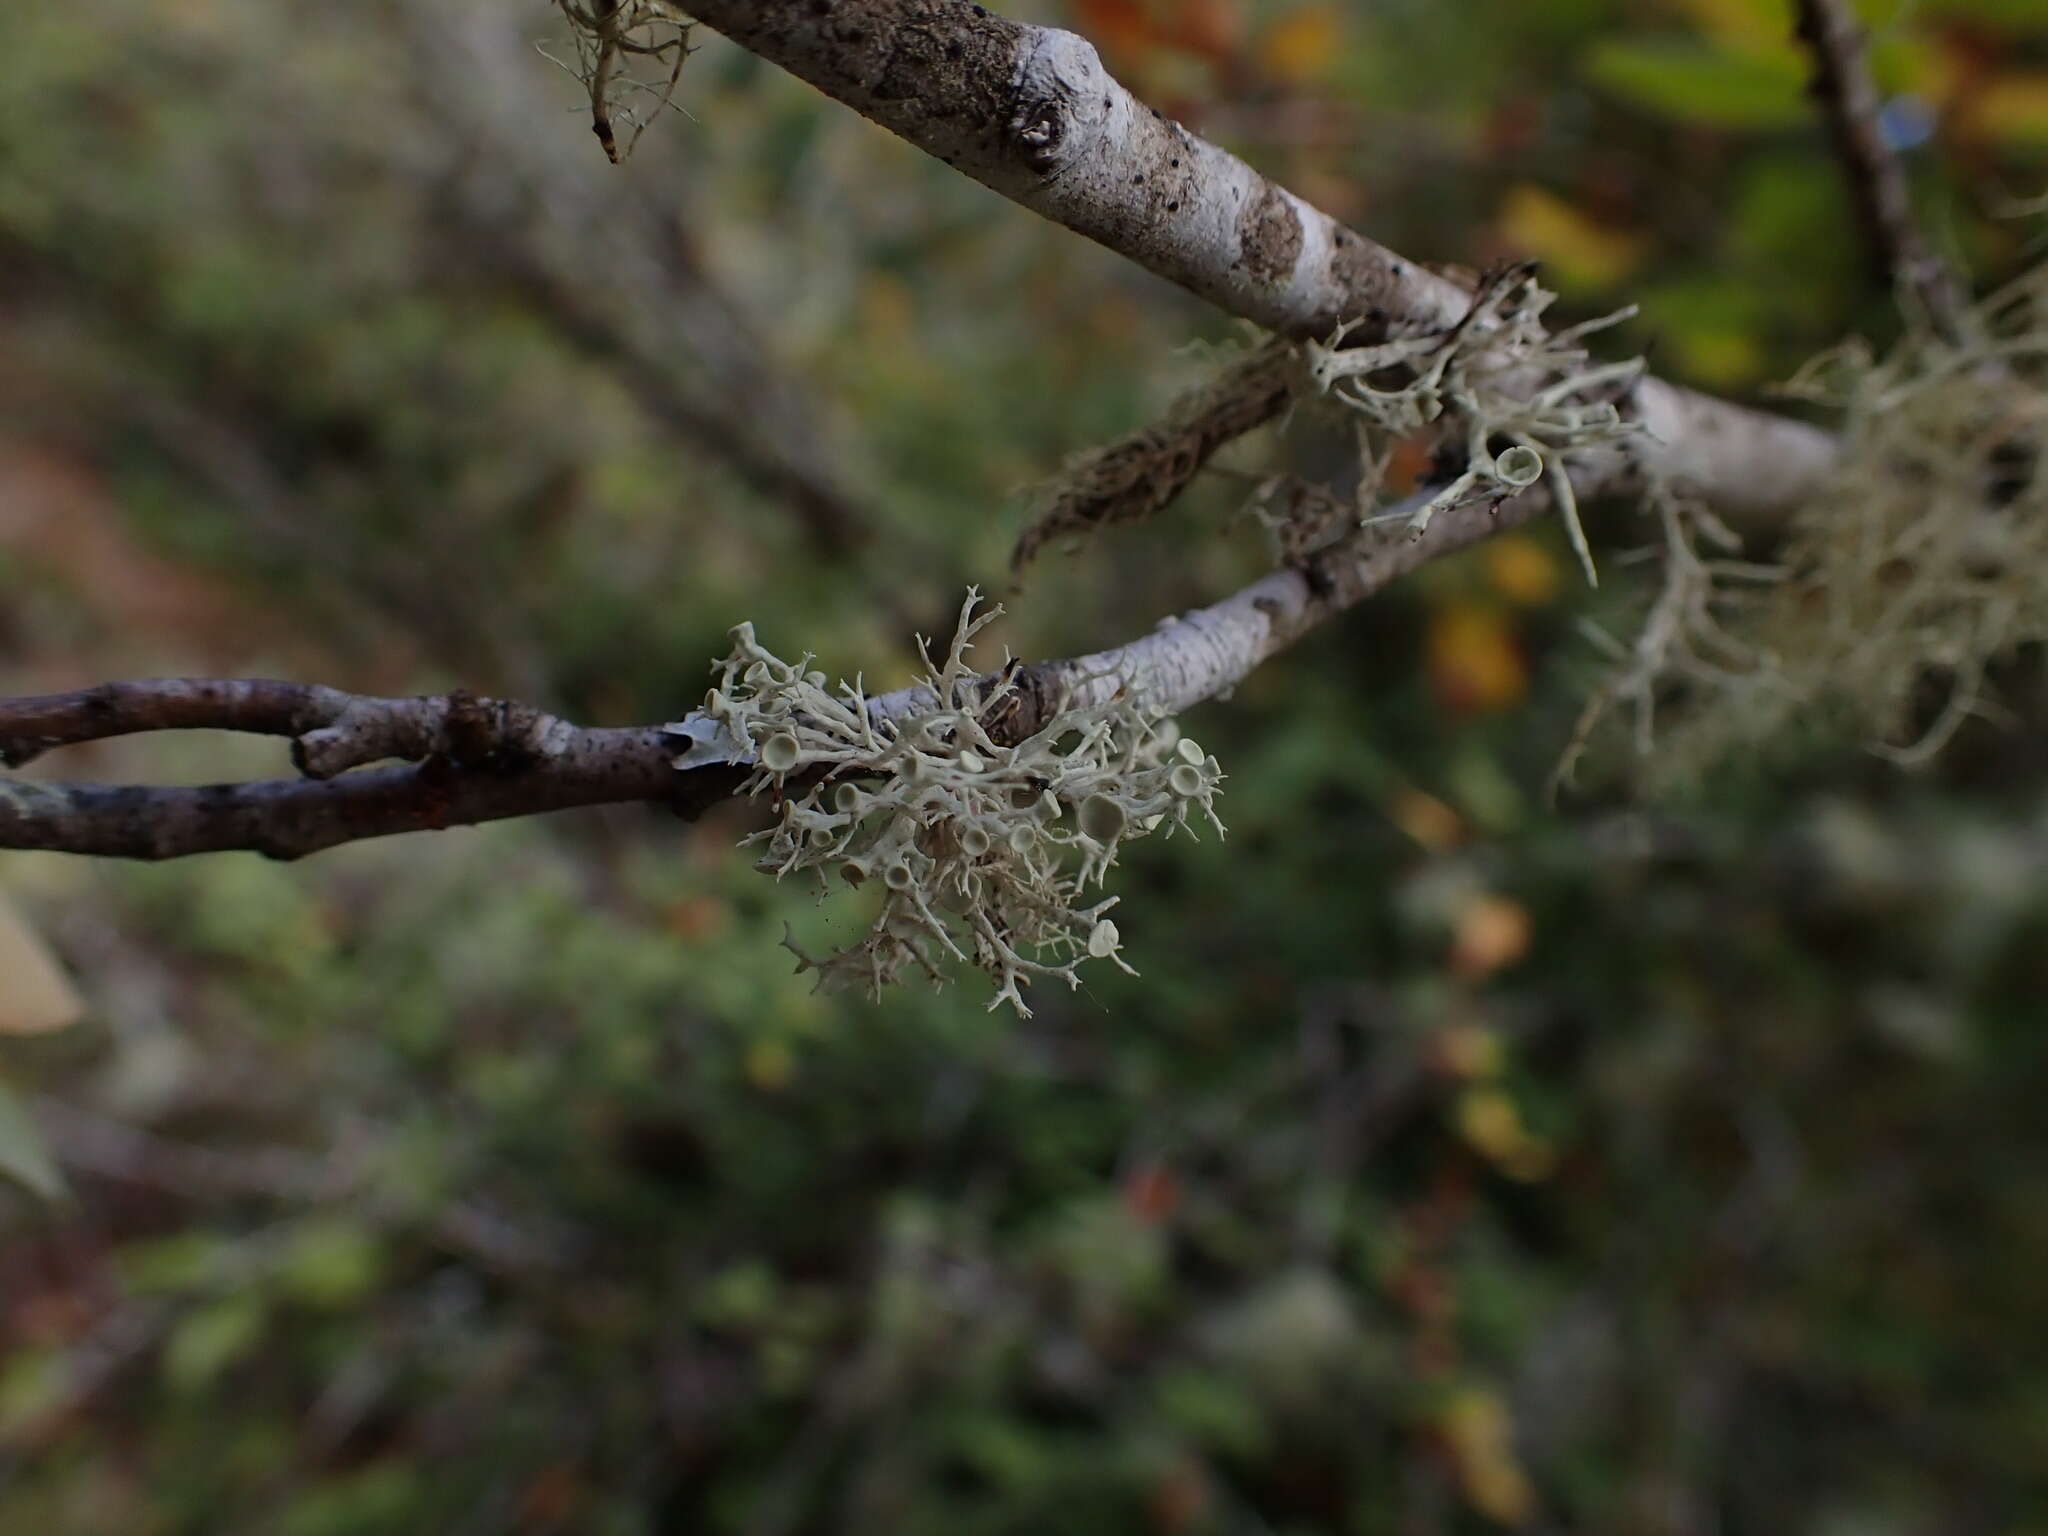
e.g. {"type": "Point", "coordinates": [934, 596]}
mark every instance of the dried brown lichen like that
{"type": "Point", "coordinates": [1137, 476]}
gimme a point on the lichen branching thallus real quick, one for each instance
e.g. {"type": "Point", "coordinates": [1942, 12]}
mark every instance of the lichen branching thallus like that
{"type": "Point", "coordinates": [1524, 397]}
{"type": "Point", "coordinates": [988, 852]}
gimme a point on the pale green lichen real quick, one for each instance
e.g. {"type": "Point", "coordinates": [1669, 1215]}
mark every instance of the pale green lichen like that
{"type": "Point", "coordinates": [1918, 563]}
{"type": "Point", "coordinates": [985, 852]}
{"type": "Point", "coordinates": [1504, 377]}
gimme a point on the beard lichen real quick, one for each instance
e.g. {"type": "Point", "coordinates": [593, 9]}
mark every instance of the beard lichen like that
{"type": "Point", "coordinates": [986, 852]}
{"type": "Point", "coordinates": [629, 58]}
{"type": "Point", "coordinates": [1480, 372]}
{"type": "Point", "coordinates": [1921, 560]}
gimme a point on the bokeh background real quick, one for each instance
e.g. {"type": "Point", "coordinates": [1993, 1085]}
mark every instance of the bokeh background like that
{"type": "Point", "coordinates": [1648, 1165]}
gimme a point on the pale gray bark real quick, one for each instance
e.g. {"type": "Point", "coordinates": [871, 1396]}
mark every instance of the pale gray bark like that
{"type": "Point", "coordinates": [1032, 113]}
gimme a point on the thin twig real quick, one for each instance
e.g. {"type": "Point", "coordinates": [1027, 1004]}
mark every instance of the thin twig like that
{"type": "Point", "coordinates": [472, 759]}
{"type": "Point", "coordinates": [1848, 97]}
{"type": "Point", "coordinates": [1032, 113]}
{"type": "Point", "coordinates": [1006, 104]}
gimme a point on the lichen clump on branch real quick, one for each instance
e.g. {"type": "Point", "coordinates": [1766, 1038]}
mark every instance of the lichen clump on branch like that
{"type": "Point", "coordinates": [984, 852]}
{"type": "Point", "coordinates": [1922, 560]}
{"type": "Point", "coordinates": [1525, 398]}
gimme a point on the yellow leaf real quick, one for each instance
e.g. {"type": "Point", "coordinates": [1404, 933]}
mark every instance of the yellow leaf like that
{"type": "Point", "coordinates": [1718, 359]}
{"type": "Point", "coordinates": [1522, 571]}
{"type": "Point", "coordinates": [34, 994]}
{"type": "Point", "coordinates": [2012, 109]}
{"type": "Point", "coordinates": [1480, 1434]}
{"type": "Point", "coordinates": [770, 1065]}
{"type": "Point", "coordinates": [1427, 819]}
{"type": "Point", "coordinates": [1300, 49]}
{"type": "Point", "coordinates": [1574, 250]}
{"type": "Point", "coordinates": [1492, 1125]}
{"type": "Point", "coordinates": [1488, 1119]}
{"type": "Point", "coordinates": [1471, 1051]}
{"type": "Point", "coordinates": [1748, 26]}
{"type": "Point", "coordinates": [1492, 932]}
{"type": "Point", "coordinates": [1473, 661]}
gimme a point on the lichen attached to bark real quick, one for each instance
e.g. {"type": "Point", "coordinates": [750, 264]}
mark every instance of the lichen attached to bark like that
{"type": "Point", "coordinates": [984, 852]}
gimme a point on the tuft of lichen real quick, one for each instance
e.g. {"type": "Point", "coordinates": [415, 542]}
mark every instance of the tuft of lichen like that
{"type": "Point", "coordinates": [1525, 398]}
{"type": "Point", "coordinates": [1685, 640]}
{"type": "Point", "coordinates": [986, 852]}
{"type": "Point", "coordinates": [1922, 559]}
{"type": "Point", "coordinates": [629, 57]}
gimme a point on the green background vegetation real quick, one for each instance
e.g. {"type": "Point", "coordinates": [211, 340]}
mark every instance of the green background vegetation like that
{"type": "Point", "coordinates": [1456, 1163]}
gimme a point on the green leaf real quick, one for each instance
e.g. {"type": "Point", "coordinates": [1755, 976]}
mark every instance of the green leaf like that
{"type": "Point", "coordinates": [330, 1264]}
{"type": "Point", "coordinates": [182, 1263]}
{"type": "Point", "coordinates": [211, 1338]}
{"type": "Point", "coordinates": [31, 1384]}
{"type": "Point", "coordinates": [1690, 82]}
{"type": "Point", "coordinates": [23, 1157]}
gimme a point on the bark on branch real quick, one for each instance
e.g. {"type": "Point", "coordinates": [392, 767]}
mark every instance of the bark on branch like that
{"type": "Point", "coordinates": [1032, 113]}
{"type": "Point", "coordinates": [472, 760]}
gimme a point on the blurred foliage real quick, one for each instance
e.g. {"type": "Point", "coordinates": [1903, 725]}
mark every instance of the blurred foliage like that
{"type": "Point", "coordinates": [1456, 1164]}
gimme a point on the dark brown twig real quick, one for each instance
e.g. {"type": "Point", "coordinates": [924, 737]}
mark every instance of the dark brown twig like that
{"type": "Point", "coordinates": [1848, 97]}
{"type": "Point", "coordinates": [472, 760]}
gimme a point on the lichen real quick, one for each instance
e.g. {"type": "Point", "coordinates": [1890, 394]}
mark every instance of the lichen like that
{"type": "Point", "coordinates": [1919, 562]}
{"type": "Point", "coordinates": [1506, 379]}
{"type": "Point", "coordinates": [629, 57]}
{"type": "Point", "coordinates": [987, 852]}
{"type": "Point", "coordinates": [1685, 639]}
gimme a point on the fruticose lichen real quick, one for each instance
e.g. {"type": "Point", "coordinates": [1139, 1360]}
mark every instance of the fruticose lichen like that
{"type": "Point", "coordinates": [984, 852]}
{"type": "Point", "coordinates": [1686, 639]}
{"type": "Point", "coordinates": [1481, 371]}
{"type": "Point", "coordinates": [1921, 560]}
{"type": "Point", "coordinates": [629, 57]}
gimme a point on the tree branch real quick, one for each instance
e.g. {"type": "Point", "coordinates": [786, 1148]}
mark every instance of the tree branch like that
{"type": "Point", "coordinates": [1032, 113]}
{"type": "Point", "coordinates": [474, 760]}
{"type": "Point", "coordinates": [1848, 98]}
{"type": "Point", "coordinates": [484, 760]}
{"type": "Point", "coordinates": [1142, 472]}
